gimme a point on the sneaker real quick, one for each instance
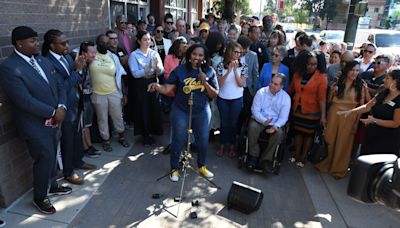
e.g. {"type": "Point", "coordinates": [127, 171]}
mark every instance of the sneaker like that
{"type": "Point", "coordinates": [205, 172]}
{"type": "Point", "coordinates": [292, 160]}
{"type": "Point", "coordinates": [44, 206]}
{"type": "Point", "coordinates": [59, 190]}
{"type": "Point", "coordinates": [300, 164]}
{"type": "Point", "coordinates": [107, 147]}
{"type": "Point", "coordinates": [174, 177]}
{"type": "Point", "coordinates": [91, 154]}
{"type": "Point", "coordinates": [2, 223]}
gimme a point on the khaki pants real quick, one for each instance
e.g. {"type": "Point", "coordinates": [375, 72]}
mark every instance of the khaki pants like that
{"type": "Point", "coordinates": [254, 130]}
{"type": "Point", "coordinates": [105, 105]}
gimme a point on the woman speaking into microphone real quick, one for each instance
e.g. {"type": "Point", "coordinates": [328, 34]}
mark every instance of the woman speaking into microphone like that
{"type": "Point", "coordinates": [199, 81]}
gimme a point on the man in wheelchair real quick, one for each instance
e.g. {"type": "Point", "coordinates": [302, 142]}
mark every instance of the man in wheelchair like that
{"type": "Point", "coordinates": [270, 112]}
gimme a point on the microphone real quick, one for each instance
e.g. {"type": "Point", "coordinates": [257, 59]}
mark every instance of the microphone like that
{"type": "Point", "coordinates": [199, 66]}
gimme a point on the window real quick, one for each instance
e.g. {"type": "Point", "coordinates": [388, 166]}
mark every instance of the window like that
{"type": "Point", "coordinates": [132, 12]}
{"type": "Point", "coordinates": [177, 8]}
{"type": "Point", "coordinates": [376, 10]}
{"type": "Point", "coordinates": [194, 10]}
{"type": "Point", "coordinates": [116, 8]}
{"type": "Point", "coordinates": [132, 9]}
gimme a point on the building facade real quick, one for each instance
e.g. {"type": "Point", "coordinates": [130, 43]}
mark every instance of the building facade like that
{"type": "Point", "coordinates": [80, 20]}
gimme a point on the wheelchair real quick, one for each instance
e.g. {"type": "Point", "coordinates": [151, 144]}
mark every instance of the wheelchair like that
{"type": "Point", "coordinates": [243, 151]}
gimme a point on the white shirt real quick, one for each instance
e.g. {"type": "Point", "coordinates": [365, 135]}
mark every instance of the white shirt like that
{"type": "Point", "coordinates": [230, 89]}
{"type": "Point", "coordinates": [27, 59]}
{"type": "Point", "coordinates": [363, 66]}
{"type": "Point", "coordinates": [268, 106]}
{"type": "Point", "coordinates": [58, 57]}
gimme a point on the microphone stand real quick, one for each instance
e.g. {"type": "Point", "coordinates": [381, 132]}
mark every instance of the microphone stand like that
{"type": "Point", "coordinates": [186, 157]}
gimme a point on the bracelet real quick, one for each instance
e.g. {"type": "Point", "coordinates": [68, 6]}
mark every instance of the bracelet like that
{"type": "Point", "coordinates": [375, 121]}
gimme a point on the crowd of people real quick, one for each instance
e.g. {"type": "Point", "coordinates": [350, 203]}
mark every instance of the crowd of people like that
{"type": "Point", "coordinates": [238, 76]}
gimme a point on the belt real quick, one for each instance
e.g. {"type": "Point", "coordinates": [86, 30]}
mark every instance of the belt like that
{"type": "Point", "coordinates": [150, 76]}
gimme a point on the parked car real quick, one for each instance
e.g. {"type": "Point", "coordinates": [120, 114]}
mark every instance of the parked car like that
{"type": "Point", "coordinates": [332, 36]}
{"type": "Point", "coordinates": [386, 41]}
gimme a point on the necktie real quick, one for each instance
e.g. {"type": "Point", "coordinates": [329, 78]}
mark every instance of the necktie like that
{"type": "Point", "coordinates": [33, 64]}
{"type": "Point", "coordinates": [65, 63]}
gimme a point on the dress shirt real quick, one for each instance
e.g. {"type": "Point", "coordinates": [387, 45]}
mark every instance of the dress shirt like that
{"type": "Point", "coordinates": [58, 57]}
{"type": "Point", "coordinates": [27, 59]}
{"type": "Point", "coordinates": [268, 106]}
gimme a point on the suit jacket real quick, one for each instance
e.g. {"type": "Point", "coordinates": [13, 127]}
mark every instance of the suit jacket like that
{"type": "Point", "coordinates": [266, 75]}
{"type": "Point", "coordinates": [121, 43]}
{"type": "Point", "coordinates": [252, 64]}
{"type": "Point", "coordinates": [71, 83]}
{"type": "Point", "coordinates": [167, 45]}
{"type": "Point", "coordinates": [33, 99]}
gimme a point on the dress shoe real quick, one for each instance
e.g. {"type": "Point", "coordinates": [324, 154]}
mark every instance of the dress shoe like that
{"type": "Point", "coordinates": [44, 206]}
{"type": "Point", "coordinates": [74, 179]}
{"type": "Point", "coordinates": [87, 166]}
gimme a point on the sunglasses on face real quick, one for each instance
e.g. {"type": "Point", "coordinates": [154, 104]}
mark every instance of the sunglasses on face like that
{"type": "Point", "coordinates": [237, 52]}
{"type": "Point", "coordinates": [170, 22]}
{"type": "Point", "coordinates": [276, 55]}
{"type": "Point", "coordinates": [369, 51]}
{"type": "Point", "coordinates": [380, 62]}
{"type": "Point", "coordinates": [63, 43]}
{"type": "Point", "coordinates": [159, 31]}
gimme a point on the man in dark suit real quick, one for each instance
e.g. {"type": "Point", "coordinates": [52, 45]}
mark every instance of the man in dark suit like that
{"type": "Point", "coordinates": [55, 49]}
{"type": "Point", "coordinates": [38, 100]}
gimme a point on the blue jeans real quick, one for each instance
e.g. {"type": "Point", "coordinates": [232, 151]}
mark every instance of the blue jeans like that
{"type": "Point", "coordinates": [200, 127]}
{"type": "Point", "coordinates": [229, 111]}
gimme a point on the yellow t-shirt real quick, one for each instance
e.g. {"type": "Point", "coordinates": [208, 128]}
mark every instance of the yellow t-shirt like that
{"type": "Point", "coordinates": [102, 72]}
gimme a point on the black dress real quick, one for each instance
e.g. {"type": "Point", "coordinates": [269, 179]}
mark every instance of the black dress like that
{"type": "Point", "coordinates": [383, 140]}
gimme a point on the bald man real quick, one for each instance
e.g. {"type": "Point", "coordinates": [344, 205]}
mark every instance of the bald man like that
{"type": "Point", "coordinates": [334, 70]}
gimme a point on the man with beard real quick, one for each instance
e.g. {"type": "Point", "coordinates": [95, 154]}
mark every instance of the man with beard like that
{"type": "Point", "coordinates": [55, 48]}
{"type": "Point", "coordinates": [37, 99]}
{"type": "Point", "coordinates": [106, 72]}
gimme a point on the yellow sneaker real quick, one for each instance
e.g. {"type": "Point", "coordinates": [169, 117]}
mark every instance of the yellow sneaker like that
{"type": "Point", "coordinates": [174, 177]}
{"type": "Point", "coordinates": [205, 172]}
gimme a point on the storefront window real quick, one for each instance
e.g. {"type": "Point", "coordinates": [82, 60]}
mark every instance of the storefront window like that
{"type": "Point", "coordinates": [177, 8]}
{"type": "Point", "coordinates": [132, 9]}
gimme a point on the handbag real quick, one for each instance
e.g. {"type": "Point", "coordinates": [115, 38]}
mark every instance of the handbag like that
{"type": "Point", "coordinates": [319, 149]}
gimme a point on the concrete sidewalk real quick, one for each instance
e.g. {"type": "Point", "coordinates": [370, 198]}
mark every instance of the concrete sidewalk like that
{"type": "Point", "coordinates": [118, 194]}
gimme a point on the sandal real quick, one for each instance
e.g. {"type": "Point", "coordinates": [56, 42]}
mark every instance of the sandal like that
{"type": "Point", "coordinates": [123, 142]}
{"type": "Point", "coordinates": [232, 152]}
{"type": "Point", "coordinates": [107, 146]}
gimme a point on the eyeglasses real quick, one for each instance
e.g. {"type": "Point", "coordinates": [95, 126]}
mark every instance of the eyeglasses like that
{"type": "Point", "coordinates": [276, 55]}
{"type": "Point", "coordinates": [237, 52]}
{"type": "Point", "coordinates": [380, 62]}
{"type": "Point", "coordinates": [369, 51]}
{"type": "Point", "coordinates": [170, 22]}
{"type": "Point", "coordinates": [159, 31]}
{"type": "Point", "coordinates": [196, 26]}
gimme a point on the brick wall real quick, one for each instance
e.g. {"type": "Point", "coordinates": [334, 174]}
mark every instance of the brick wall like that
{"type": "Point", "coordinates": [80, 20]}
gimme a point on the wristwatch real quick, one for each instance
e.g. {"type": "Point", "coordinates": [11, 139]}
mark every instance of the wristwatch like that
{"type": "Point", "coordinates": [375, 121]}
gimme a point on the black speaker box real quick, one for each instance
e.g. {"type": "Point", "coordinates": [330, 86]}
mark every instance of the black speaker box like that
{"type": "Point", "coordinates": [244, 198]}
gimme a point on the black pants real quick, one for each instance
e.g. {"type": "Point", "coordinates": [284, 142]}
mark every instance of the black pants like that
{"type": "Point", "coordinates": [71, 147]}
{"type": "Point", "coordinates": [245, 114]}
{"type": "Point", "coordinates": [43, 151]}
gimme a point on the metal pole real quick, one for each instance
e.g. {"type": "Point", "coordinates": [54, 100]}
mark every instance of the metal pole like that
{"type": "Point", "coordinates": [351, 26]}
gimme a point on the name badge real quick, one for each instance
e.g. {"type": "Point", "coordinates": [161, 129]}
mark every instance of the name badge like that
{"type": "Point", "coordinates": [391, 103]}
{"type": "Point", "coordinates": [120, 53]}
